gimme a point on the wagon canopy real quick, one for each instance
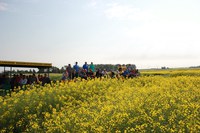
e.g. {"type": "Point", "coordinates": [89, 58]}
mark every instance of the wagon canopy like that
{"type": "Point", "coordinates": [25, 64]}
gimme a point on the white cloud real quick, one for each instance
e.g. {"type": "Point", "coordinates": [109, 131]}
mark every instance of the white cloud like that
{"type": "Point", "coordinates": [3, 6]}
{"type": "Point", "coordinates": [29, 1]}
{"type": "Point", "coordinates": [126, 12]}
{"type": "Point", "coordinates": [93, 3]}
{"type": "Point", "coordinates": [170, 39]}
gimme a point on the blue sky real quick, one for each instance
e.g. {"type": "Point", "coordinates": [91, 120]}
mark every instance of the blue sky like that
{"type": "Point", "coordinates": [148, 33]}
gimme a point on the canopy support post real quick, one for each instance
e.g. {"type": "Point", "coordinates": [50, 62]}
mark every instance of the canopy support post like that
{"type": "Point", "coordinates": [48, 71]}
{"type": "Point", "coordinates": [10, 72]}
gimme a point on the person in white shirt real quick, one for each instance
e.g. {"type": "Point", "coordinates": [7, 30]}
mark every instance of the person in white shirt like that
{"type": "Point", "coordinates": [23, 80]}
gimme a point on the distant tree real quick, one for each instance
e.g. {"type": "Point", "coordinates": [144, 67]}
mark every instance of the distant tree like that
{"type": "Point", "coordinates": [14, 71]}
{"type": "Point", "coordinates": [163, 67]}
{"type": "Point", "coordinates": [20, 71]}
{"type": "Point", "coordinates": [54, 69]}
{"type": "Point", "coordinates": [30, 71]}
{"type": "Point", "coordinates": [34, 71]}
{"type": "Point", "coordinates": [26, 71]}
{"type": "Point", "coordinates": [106, 66]}
{"type": "Point", "coordinates": [41, 70]}
{"type": "Point", "coordinates": [62, 69]}
{"type": "Point", "coordinates": [194, 67]}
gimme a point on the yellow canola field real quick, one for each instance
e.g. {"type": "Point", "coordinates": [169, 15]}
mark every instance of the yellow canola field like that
{"type": "Point", "coordinates": [142, 104]}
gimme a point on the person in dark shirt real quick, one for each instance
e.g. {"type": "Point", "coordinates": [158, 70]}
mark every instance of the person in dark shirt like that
{"type": "Point", "coordinates": [64, 77]}
{"type": "Point", "coordinates": [46, 80]}
{"type": "Point", "coordinates": [70, 72]}
{"type": "Point", "coordinates": [1, 81]}
{"type": "Point", "coordinates": [90, 73]}
{"type": "Point", "coordinates": [99, 73]}
{"type": "Point", "coordinates": [5, 82]}
{"type": "Point", "coordinates": [83, 74]}
{"type": "Point", "coordinates": [126, 73]}
{"type": "Point", "coordinates": [34, 78]}
{"type": "Point", "coordinates": [13, 82]}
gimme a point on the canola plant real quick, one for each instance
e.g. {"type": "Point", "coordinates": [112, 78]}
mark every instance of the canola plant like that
{"type": "Point", "coordinates": [142, 104]}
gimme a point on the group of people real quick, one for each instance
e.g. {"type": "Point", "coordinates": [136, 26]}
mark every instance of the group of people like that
{"type": "Point", "coordinates": [84, 72]}
{"type": "Point", "coordinates": [77, 71]}
{"type": "Point", "coordinates": [89, 71]}
{"type": "Point", "coordinates": [128, 71]}
{"type": "Point", "coordinates": [21, 79]}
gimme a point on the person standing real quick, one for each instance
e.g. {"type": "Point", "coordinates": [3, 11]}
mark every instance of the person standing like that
{"type": "Point", "coordinates": [92, 67]}
{"type": "Point", "coordinates": [76, 68]}
{"type": "Point", "coordinates": [85, 66]}
{"type": "Point", "coordinates": [70, 72]}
